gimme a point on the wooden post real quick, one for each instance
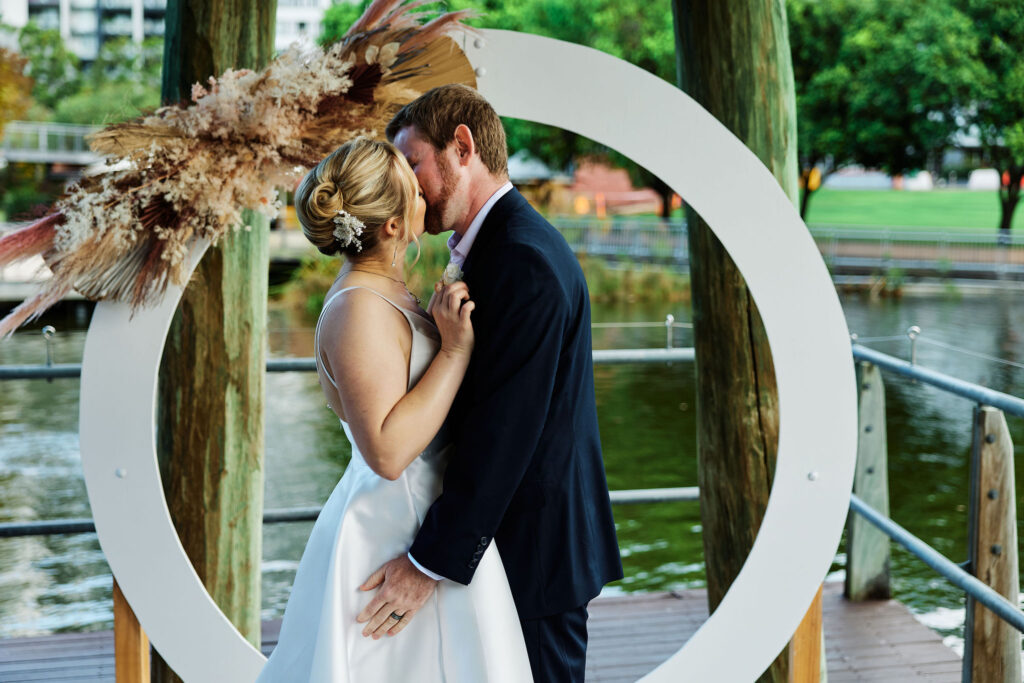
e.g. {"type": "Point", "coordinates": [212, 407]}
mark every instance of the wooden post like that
{"type": "Point", "coordinates": [994, 645]}
{"type": "Point", "coordinates": [733, 57]}
{"type": "Point", "coordinates": [131, 645]}
{"type": "Point", "coordinates": [806, 650]}
{"type": "Point", "coordinates": [210, 437]}
{"type": "Point", "coordinates": [867, 548]}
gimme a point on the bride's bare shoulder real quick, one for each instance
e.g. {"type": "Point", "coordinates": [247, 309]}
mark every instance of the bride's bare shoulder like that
{"type": "Point", "coordinates": [358, 312]}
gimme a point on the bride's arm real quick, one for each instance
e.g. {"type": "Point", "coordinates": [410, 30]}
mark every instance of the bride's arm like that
{"type": "Point", "coordinates": [364, 349]}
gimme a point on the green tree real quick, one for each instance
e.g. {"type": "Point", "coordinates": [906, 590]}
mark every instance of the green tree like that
{"type": "Point", "coordinates": [999, 110]}
{"type": "Point", "coordinates": [915, 66]}
{"type": "Point", "coordinates": [816, 31]}
{"type": "Point", "coordinates": [121, 84]}
{"type": "Point", "coordinates": [338, 18]}
{"type": "Point", "coordinates": [884, 85]}
{"type": "Point", "coordinates": [639, 32]}
{"type": "Point", "coordinates": [123, 61]}
{"type": "Point", "coordinates": [53, 67]}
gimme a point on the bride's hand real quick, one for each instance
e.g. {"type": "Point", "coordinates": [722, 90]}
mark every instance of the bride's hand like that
{"type": "Point", "coordinates": [451, 315]}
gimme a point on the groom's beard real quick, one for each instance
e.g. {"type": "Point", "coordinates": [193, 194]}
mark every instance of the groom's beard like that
{"type": "Point", "coordinates": [436, 220]}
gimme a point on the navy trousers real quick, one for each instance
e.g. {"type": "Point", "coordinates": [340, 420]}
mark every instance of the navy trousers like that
{"type": "Point", "coordinates": [557, 646]}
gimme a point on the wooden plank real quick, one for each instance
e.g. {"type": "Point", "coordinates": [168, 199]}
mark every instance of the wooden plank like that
{"type": "Point", "coordinates": [212, 374]}
{"type": "Point", "coordinates": [807, 647]}
{"type": "Point", "coordinates": [867, 548]}
{"type": "Point", "coordinates": [131, 644]}
{"type": "Point", "coordinates": [734, 59]}
{"type": "Point", "coordinates": [995, 645]}
{"type": "Point", "coordinates": [629, 637]}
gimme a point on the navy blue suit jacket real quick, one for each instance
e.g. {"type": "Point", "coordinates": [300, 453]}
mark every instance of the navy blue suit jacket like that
{"type": "Point", "coordinates": [527, 468]}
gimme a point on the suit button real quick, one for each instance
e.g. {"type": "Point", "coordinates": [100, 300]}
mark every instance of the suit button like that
{"type": "Point", "coordinates": [483, 539]}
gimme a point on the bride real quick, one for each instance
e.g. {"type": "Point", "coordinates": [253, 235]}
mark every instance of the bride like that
{"type": "Point", "coordinates": [390, 371]}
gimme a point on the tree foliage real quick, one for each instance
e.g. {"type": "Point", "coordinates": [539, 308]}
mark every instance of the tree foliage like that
{"type": "Point", "coordinates": [999, 108]}
{"type": "Point", "coordinates": [122, 83]}
{"type": "Point", "coordinates": [639, 32]}
{"type": "Point", "coordinates": [53, 67]}
{"type": "Point", "coordinates": [882, 84]}
{"type": "Point", "coordinates": [15, 87]}
{"type": "Point", "coordinates": [338, 18]}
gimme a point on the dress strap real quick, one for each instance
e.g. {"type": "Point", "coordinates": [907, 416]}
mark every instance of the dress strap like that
{"type": "Point", "coordinates": [329, 301]}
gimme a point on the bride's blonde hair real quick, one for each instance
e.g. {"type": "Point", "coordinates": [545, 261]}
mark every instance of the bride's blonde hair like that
{"type": "Point", "coordinates": [368, 179]}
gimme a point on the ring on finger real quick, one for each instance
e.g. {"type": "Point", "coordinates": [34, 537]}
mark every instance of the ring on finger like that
{"type": "Point", "coordinates": [397, 617]}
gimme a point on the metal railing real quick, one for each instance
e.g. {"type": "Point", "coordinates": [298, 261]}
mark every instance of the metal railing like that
{"type": "Point", "coordinates": [952, 572]}
{"type": "Point", "coordinates": [37, 142]}
{"type": "Point", "coordinates": [974, 392]}
{"type": "Point", "coordinates": [637, 239]}
{"type": "Point", "coordinates": [310, 513]}
{"type": "Point", "coordinates": [985, 541]}
{"type": "Point", "coordinates": [670, 354]}
{"type": "Point", "coordinates": [50, 371]}
{"type": "Point", "coordinates": [847, 251]}
{"type": "Point", "coordinates": [601, 357]}
{"type": "Point", "coordinates": [959, 575]}
{"type": "Point", "coordinates": [953, 254]}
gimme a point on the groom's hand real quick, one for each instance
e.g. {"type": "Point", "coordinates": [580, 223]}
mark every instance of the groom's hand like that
{"type": "Point", "coordinates": [403, 592]}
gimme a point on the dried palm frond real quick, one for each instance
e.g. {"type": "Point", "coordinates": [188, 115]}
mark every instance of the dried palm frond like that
{"type": "Point", "coordinates": [187, 171]}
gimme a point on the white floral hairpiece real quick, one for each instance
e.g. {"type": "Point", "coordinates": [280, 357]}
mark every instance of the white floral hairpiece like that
{"type": "Point", "coordinates": [348, 229]}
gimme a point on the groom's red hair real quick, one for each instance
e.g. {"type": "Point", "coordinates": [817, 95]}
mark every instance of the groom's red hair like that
{"type": "Point", "coordinates": [438, 112]}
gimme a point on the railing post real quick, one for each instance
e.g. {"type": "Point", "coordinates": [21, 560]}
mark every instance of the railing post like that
{"type": "Point", "coordinates": [867, 548]}
{"type": "Point", "coordinates": [992, 647]}
{"type": "Point", "coordinates": [131, 645]}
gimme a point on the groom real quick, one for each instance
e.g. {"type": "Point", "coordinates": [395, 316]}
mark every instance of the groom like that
{"type": "Point", "coordinates": [526, 469]}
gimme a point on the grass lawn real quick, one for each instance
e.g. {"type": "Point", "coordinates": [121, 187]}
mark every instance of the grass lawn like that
{"type": "Point", "coordinates": [948, 210]}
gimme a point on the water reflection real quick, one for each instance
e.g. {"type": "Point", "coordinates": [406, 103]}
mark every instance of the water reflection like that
{"type": "Point", "coordinates": [647, 418]}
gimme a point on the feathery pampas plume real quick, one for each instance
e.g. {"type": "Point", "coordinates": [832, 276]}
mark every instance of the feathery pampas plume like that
{"type": "Point", "coordinates": [190, 170]}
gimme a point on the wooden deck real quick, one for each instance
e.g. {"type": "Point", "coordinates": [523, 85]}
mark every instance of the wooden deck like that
{"type": "Point", "coordinates": [629, 636]}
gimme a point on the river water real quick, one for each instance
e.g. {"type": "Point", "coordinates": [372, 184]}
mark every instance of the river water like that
{"type": "Point", "coordinates": [646, 412]}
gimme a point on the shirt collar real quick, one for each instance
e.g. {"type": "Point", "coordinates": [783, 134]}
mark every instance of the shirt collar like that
{"type": "Point", "coordinates": [459, 245]}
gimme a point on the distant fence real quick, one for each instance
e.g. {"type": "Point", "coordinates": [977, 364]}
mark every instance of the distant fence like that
{"type": "Point", "coordinates": [647, 240]}
{"type": "Point", "coordinates": [847, 250]}
{"type": "Point", "coordinates": [968, 255]}
{"type": "Point", "coordinates": [47, 143]}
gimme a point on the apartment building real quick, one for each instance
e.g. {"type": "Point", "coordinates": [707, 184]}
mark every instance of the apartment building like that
{"type": "Point", "coordinates": [87, 24]}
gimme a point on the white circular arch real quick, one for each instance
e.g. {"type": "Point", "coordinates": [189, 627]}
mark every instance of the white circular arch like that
{"type": "Point", "coordinates": [660, 127]}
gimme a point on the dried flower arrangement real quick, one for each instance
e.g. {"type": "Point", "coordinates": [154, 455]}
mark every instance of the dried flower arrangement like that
{"type": "Point", "coordinates": [185, 172]}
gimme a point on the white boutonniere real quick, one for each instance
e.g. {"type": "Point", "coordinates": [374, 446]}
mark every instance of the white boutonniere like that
{"type": "Point", "coordinates": [452, 273]}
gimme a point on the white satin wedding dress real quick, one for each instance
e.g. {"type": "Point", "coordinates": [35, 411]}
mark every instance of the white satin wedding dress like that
{"type": "Point", "coordinates": [463, 634]}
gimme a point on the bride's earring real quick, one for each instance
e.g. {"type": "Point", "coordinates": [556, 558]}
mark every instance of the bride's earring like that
{"type": "Point", "coordinates": [395, 255]}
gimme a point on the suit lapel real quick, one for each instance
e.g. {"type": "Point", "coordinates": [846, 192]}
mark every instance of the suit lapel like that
{"type": "Point", "coordinates": [492, 225]}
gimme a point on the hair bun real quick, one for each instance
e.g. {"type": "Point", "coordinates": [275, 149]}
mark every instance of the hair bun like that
{"type": "Point", "coordinates": [328, 197]}
{"type": "Point", "coordinates": [359, 186]}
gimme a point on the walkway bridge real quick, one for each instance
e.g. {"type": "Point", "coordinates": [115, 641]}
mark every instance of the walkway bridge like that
{"type": "Point", "coordinates": [848, 250]}
{"type": "Point", "coordinates": [887, 256]}
{"type": "Point", "coordinates": [47, 143]}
